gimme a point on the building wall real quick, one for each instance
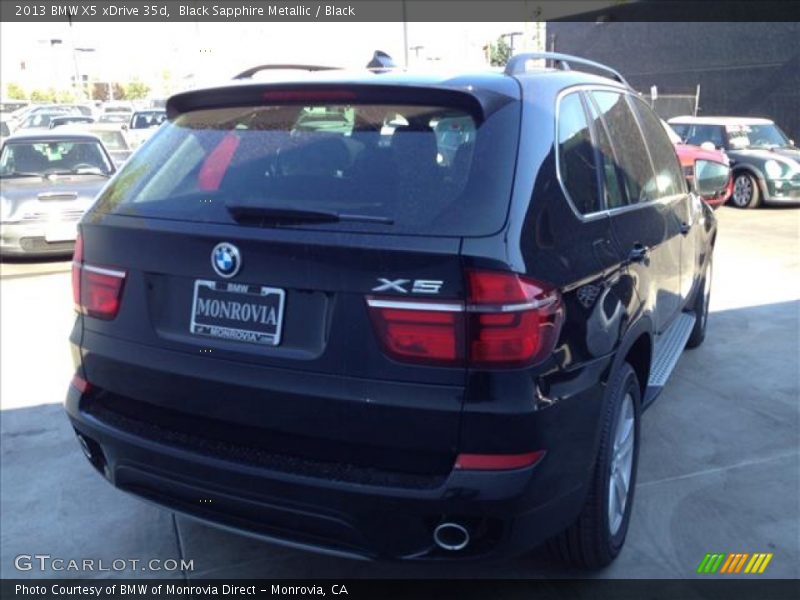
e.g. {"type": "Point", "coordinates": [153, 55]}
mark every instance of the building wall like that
{"type": "Point", "coordinates": [744, 69]}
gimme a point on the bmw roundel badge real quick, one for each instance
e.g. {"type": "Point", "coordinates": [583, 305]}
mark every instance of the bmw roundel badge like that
{"type": "Point", "coordinates": [226, 260]}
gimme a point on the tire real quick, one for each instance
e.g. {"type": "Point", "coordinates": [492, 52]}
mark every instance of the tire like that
{"type": "Point", "coordinates": [746, 193]}
{"type": "Point", "coordinates": [597, 537]}
{"type": "Point", "coordinates": [700, 308]}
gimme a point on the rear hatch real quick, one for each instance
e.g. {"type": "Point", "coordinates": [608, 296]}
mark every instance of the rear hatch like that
{"type": "Point", "coordinates": [251, 231]}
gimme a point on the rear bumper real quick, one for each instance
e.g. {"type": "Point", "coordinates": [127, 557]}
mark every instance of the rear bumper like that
{"type": "Point", "coordinates": [28, 239]}
{"type": "Point", "coordinates": [383, 511]}
{"type": "Point", "coordinates": [359, 521]}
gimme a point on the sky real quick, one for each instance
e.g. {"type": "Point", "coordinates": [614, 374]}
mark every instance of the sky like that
{"type": "Point", "coordinates": [180, 55]}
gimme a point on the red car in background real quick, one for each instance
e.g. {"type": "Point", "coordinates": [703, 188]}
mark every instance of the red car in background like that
{"type": "Point", "coordinates": [689, 155]}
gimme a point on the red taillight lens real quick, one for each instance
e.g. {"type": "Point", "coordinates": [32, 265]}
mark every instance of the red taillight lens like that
{"type": "Point", "coordinates": [96, 291]}
{"type": "Point", "coordinates": [507, 321]}
{"type": "Point", "coordinates": [80, 384]}
{"type": "Point", "coordinates": [101, 291]}
{"type": "Point", "coordinates": [497, 462]}
{"type": "Point", "coordinates": [77, 259]}
{"type": "Point", "coordinates": [513, 320]}
{"type": "Point", "coordinates": [292, 96]}
{"type": "Point", "coordinates": [419, 335]}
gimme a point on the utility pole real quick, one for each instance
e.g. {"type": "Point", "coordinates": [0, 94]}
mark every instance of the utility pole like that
{"type": "Point", "coordinates": [405, 35]}
{"type": "Point", "coordinates": [416, 50]}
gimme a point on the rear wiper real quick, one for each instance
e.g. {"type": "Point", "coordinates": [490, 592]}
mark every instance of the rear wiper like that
{"type": "Point", "coordinates": [281, 214]}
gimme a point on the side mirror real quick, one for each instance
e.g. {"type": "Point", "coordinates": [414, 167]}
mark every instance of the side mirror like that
{"type": "Point", "coordinates": [708, 146]}
{"type": "Point", "coordinates": [124, 126]}
{"type": "Point", "coordinates": [710, 178]}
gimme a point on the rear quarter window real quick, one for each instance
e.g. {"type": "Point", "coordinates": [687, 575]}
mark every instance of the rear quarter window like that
{"type": "Point", "coordinates": [427, 169]}
{"type": "Point", "coordinates": [576, 155]}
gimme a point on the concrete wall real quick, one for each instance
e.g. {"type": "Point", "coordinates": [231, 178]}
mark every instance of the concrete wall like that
{"type": "Point", "coordinates": [744, 69]}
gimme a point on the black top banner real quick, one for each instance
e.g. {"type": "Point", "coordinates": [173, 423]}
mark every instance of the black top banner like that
{"type": "Point", "coordinates": [396, 10]}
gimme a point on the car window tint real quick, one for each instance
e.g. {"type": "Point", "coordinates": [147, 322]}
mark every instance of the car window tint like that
{"type": "Point", "coordinates": [700, 134]}
{"type": "Point", "coordinates": [414, 169]}
{"type": "Point", "coordinates": [637, 172]}
{"type": "Point", "coordinates": [613, 184]}
{"type": "Point", "coordinates": [669, 177]}
{"type": "Point", "coordinates": [681, 129]}
{"type": "Point", "coordinates": [576, 157]}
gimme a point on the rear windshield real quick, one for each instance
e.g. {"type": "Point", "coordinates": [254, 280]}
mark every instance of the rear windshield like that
{"type": "Point", "coordinates": [382, 168]}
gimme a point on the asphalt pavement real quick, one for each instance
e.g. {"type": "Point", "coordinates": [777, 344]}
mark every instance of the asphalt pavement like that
{"type": "Point", "coordinates": [719, 468]}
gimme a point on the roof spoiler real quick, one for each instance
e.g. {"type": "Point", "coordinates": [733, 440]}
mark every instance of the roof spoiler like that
{"type": "Point", "coordinates": [516, 64]}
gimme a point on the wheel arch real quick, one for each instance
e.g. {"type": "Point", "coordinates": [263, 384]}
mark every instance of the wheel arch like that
{"type": "Point", "coordinates": [637, 350]}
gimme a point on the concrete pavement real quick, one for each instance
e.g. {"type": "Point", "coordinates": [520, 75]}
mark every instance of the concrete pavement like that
{"type": "Point", "coordinates": [719, 468]}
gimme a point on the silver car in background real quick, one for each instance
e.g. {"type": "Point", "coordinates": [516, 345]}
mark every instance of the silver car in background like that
{"type": "Point", "coordinates": [48, 180]}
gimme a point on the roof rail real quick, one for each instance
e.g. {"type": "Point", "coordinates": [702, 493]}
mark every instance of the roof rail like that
{"type": "Point", "coordinates": [252, 71]}
{"type": "Point", "coordinates": [516, 64]}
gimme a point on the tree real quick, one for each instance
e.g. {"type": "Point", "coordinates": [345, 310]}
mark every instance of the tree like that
{"type": "Point", "coordinates": [119, 92]}
{"type": "Point", "coordinates": [48, 95]}
{"type": "Point", "coordinates": [136, 90]}
{"type": "Point", "coordinates": [100, 91]}
{"type": "Point", "coordinates": [499, 53]}
{"type": "Point", "coordinates": [65, 96]}
{"type": "Point", "coordinates": [15, 92]}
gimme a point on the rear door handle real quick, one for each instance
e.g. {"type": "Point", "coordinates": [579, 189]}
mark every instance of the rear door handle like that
{"type": "Point", "coordinates": [685, 228]}
{"type": "Point", "coordinates": [638, 253]}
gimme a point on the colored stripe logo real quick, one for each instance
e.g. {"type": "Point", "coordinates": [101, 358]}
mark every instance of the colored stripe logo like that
{"type": "Point", "coordinates": [734, 562]}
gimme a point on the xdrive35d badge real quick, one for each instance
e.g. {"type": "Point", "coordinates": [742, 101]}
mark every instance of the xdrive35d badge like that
{"type": "Point", "coordinates": [226, 260]}
{"type": "Point", "coordinates": [461, 296]}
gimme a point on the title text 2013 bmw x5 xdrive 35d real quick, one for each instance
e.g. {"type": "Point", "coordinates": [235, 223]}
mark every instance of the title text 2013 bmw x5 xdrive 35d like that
{"type": "Point", "coordinates": [391, 315]}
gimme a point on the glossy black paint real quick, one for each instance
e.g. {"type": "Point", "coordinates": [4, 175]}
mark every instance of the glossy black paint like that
{"type": "Point", "coordinates": [329, 397]}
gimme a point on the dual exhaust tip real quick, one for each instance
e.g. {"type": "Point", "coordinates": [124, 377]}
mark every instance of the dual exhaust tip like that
{"type": "Point", "coordinates": [451, 536]}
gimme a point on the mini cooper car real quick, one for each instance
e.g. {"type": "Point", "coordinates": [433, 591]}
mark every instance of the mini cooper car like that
{"type": "Point", "coordinates": [765, 162]}
{"type": "Point", "coordinates": [392, 315]}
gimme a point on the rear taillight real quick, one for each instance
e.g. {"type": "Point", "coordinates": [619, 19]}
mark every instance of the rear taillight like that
{"type": "Point", "coordinates": [513, 320]}
{"type": "Point", "coordinates": [428, 332]}
{"type": "Point", "coordinates": [507, 321]}
{"type": "Point", "coordinates": [96, 291]}
{"type": "Point", "coordinates": [77, 261]}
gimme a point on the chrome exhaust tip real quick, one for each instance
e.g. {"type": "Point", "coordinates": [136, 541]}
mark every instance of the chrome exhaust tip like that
{"type": "Point", "coordinates": [451, 536]}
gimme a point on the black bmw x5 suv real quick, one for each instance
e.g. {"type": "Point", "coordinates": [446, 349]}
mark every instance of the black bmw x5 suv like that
{"type": "Point", "coordinates": [390, 315]}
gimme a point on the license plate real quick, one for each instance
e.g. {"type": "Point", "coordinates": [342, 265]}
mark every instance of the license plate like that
{"type": "Point", "coordinates": [238, 311]}
{"type": "Point", "coordinates": [61, 232]}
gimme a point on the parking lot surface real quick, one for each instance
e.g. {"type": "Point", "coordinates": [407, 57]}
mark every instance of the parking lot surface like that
{"type": "Point", "coordinates": [719, 468]}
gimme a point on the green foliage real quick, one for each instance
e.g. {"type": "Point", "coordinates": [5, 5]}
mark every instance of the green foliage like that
{"type": "Point", "coordinates": [499, 53]}
{"type": "Point", "coordinates": [15, 92]}
{"type": "Point", "coordinates": [136, 90]}
{"type": "Point", "coordinates": [48, 95]}
{"type": "Point", "coordinates": [65, 96]}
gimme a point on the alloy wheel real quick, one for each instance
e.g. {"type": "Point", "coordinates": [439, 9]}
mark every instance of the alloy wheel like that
{"type": "Point", "coordinates": [742, 191]}
{"type": "Point", "coordinates": [621, 465]}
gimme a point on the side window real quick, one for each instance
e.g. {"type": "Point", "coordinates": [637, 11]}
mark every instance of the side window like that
{"type": "Point", "coordinates": [669, 177]}
{"type": "Point", "coordinates": [613, 182]}
{"type": "Point", "coordinates": [629, 147]}
{"type": "Point", "coordinates": [576, 157]}
{"type": "Point", "coordinates": [682, 129]}
{"type": "Point", "coordinates": [706, 133]}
